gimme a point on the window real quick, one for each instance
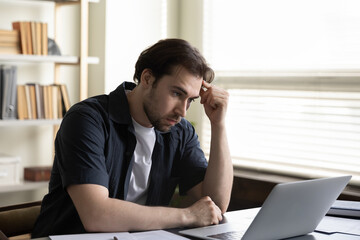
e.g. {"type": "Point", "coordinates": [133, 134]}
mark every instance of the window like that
{"type": "Point", "coordinates": [292, 69]}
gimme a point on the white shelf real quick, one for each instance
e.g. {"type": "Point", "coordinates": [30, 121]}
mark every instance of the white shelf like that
{"type": "Point", "coordinates": [48, 58]}
{"type": "Point", "coordinates": [23, 186]}
{"type": "Point", "coordinates": [64, 1]}
{"type": "Point", "coordinates": [37, 122]}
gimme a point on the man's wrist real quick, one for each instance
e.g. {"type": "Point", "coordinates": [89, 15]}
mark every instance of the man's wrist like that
{"type": "Point", "coordinates": [217, 125]}
{"type": "Point", "coordinates": [186, 217]}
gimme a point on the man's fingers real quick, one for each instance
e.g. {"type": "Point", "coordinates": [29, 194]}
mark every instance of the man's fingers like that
{"type": "Point", "coordinates": [206, 84]}
{"type": "Point", "coordinates": [215, 210]}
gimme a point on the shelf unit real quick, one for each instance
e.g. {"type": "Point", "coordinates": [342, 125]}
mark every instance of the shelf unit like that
{"type": "Point", "coordinates": [82, 61]}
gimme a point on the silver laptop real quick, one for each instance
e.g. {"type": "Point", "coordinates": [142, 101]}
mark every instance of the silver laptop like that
{"type": "Point", "coordinates": [291, 209]}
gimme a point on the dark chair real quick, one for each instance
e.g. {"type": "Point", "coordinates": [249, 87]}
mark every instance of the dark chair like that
{"type": "Point", "coordinates": [18, 219]}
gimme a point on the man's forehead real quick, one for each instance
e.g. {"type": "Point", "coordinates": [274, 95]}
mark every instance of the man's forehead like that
{"type": "Point", "coordinates": [180, 71]}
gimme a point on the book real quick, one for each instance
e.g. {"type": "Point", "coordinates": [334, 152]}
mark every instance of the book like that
{"type": "Point", "coordinates": [21, 103]}
{"type": "Point", "coordinates": [345, 208]}
{"type": "Point", "coordinates": [33, 36]}
{"type": "Point", "coordinates": [46, 99]}
{"type": "Point", "coordinates": [44, 39]}
{"type": "Point", "coordinates": [9, 42]}
{"type": "Point", "coordinates": [20, 26]}
{"type": "Point", "coordinates": [28, 101]}
{"type": "Point", "coordinates": [10, 50]}
{"type": "Point", "coordinates": [59, 103]}
{"type": "Point", "coordinates": [37, 173]}
{"type": "Point", "coordinates": [39, 101]}
{"type": "Point", "coordinates": [55, 101]}
{"type": "Point", "coordinates": [28, 38]}
{"type": "Point", "coordinates": [38, 38]}
{"type": "Point", "coordinates": [9, 36]}
{"type": "Point", "coordinates": [33, 100]}
{"type": "Point", "coordinates": [8, 93]}
{"type": "Point", "coordinates": [65, 98]}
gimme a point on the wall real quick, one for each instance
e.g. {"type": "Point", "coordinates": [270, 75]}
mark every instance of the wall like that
{"type": "Point", "coordinates": [120, 30]}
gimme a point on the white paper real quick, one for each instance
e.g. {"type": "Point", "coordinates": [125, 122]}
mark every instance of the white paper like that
{"type": "Point", "coordinates": [94, 236]}
{"type": "Point", "coordinates": [339, 225]}
{"type": "Point", "coordinates": [158, 235]}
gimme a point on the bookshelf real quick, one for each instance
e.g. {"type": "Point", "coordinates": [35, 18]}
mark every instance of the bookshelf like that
{"type": "Point", "coordinates": [46, 128]}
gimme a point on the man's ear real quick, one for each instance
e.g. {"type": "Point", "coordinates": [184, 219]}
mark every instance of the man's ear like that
{"type": "Point", "coordinates": [147, 78]}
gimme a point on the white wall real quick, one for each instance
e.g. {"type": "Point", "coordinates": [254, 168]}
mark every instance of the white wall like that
{"type": "Point", "coordinates": [190, 28]}
{"type": "Point", "coordinates": [130, 27]}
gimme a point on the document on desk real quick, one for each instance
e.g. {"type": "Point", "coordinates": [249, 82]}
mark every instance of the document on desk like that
{"type": "Point", "coordinates": [94, 236]}
{"type": "Point", "coordinates": [339, 225]}
{"type": "Point", "coordinates": [158, 235]}
{"type": "Point", "coordinates": [148, 235]}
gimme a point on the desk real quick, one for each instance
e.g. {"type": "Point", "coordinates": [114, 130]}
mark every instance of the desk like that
{"type": "Point", "coordinates": [230, 217]}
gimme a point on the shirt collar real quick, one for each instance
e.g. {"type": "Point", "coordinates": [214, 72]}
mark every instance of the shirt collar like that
{"type": "Point", "coordinates": [118, 104]}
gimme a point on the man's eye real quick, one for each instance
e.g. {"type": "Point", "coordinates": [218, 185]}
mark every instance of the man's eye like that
{"type": "Point", "coordinates": [191, 100]}
{"type": "Point", "coordinates": [176, 94]}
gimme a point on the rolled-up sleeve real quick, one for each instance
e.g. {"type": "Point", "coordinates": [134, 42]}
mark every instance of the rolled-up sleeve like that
{"type": "Point", "coordinates": [80, 148]}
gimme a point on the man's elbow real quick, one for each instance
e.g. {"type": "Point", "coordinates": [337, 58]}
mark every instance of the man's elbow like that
{"type": "Point", "coordinates": [223, 207]}
{"type": "Point", "coordinates": [94, 221]}
{"type": "Point", "coordinates": [91, 224]}
{"type": "Point", "coordinates": [90, 227]}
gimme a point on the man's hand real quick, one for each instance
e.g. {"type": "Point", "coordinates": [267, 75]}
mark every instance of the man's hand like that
{"type": "Point", "coordinates": [203, 213]}
{"type": "Point", "coordinates": [215, 101]}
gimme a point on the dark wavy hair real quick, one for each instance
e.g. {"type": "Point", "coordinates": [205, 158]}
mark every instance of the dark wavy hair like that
{"type": "Point", "coordinates": [162, 57]}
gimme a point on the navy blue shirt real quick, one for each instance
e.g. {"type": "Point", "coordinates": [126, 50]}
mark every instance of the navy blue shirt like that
{"type": "Point", "coordinates": [95, 145]}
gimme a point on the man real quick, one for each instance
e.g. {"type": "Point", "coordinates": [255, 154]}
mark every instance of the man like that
{"type": "Point", "coordinates": [119, 157]}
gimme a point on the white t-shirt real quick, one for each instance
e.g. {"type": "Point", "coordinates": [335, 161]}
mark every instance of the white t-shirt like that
{"type": "Point", "coordinates": [139, 179]}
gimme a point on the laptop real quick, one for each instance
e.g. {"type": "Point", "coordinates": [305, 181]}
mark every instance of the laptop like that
{"type": "Point", "coordinates": [291, 209]}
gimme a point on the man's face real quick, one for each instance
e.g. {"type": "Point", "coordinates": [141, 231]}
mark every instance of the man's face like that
{"type": "Point", "coordinates": [167, 102]}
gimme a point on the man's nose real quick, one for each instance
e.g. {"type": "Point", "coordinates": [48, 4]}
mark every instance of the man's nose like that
{"type": "Point", "coordinates": [182, 108]}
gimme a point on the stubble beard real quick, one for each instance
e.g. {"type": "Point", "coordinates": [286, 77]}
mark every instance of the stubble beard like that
{"type": "Point", "coordinates": [154, 118]}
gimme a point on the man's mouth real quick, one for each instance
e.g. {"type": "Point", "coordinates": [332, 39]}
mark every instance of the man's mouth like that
{"type": "Point", "coordinates": [173, 120]}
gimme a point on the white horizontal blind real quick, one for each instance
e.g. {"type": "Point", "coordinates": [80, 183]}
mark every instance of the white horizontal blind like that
{"type": "Point", "coordinates": [289, 129]}
{"type": "Point", "coordinates": [292, 71]}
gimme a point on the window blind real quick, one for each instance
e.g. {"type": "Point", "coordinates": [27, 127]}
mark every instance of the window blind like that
{"type": "Point", "coordinates": [292, 69]}
{"type": "Point", "coordinates": [304, 127]}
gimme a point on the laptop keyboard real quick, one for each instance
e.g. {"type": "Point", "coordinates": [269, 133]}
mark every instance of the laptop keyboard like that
{"type": "Point", "coordinates": [228, 235]}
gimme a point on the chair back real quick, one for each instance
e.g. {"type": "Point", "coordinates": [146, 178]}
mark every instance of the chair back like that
{"type": "Point", "coordinates": [19, 219]}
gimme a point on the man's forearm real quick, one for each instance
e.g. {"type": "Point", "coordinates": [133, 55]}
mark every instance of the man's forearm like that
{"type": "Point", "coordinates": [118, 215]}
{"type": "Point", "coordinates": [99, 213]}
{"type": "Point", "coordinates": [127, 216]}
{"type": "Point", "coordinates": [219, 175]}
